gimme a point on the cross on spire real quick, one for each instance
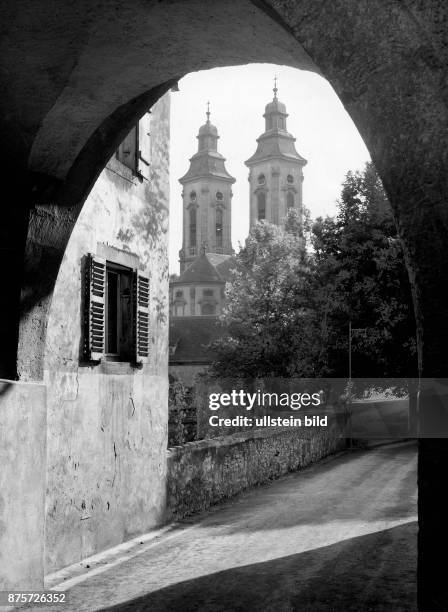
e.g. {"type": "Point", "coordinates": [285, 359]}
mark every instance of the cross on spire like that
{"type": "Point", "coordinates": [275, 86]}
{"type": "Point", "coordinates": [208, 111]}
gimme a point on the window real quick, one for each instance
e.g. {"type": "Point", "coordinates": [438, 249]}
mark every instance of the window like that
{"type": "Point", "coordinates": [179, 294]}
{"type": "Point", "coordinates": [193, 227]}
{"type": "Point", "coordinates": [218, 228]}
{"type": "Point", "coordinates": [290, 178]}
{"type": "Point", "coordinates": [290, 199]}
{"type": "Point", "coordinates": [116, 314]}
{"type": "Point", "coordinates": [208, 309]}
{"type": "Point", "coordinates": [135, 150]}
{"type": "Point", "coordinates": [219, 195]}
{"type": "Point", "coordinates": [193, 196]}
{"type": "Point", "coordinates": [179, 310]}
{"type": "Point", "coordinates": [208, 293]}
{"type": "Point", "coordinates": [261, 204]}
{"type": "Point", "coordinates": [261, 179]}
{"type": "Point", "coordinates": [127, 152]}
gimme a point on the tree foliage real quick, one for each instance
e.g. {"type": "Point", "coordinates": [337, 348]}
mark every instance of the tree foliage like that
{"type": "Point", "coordinates": [288, 312]}
{"type": "Point", "coordinates": [267, 314]}
{"type": "Point", "coordinates": [360, 276]}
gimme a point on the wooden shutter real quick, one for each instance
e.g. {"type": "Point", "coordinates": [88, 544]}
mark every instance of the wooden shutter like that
{"type": "Point", "coordinates": [141, 317]}
{"type": "Point", "coordinates": [127, 152]}
{"type": "Point", "coordinates": [144, 147]}
{"type": "Point", "coordinates": [95, 307]}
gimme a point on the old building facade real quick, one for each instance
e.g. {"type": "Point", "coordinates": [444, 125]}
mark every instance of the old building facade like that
{"type": "Point", "coordinates": [104, 366]}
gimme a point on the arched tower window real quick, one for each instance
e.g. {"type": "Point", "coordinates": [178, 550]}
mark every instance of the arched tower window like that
{"type": "Point", "coordinates": [290, 200]}
{"type": "Point", "coordinates": [193, 227]}
{"type": "Point", "coordinates": [218, 228]}
{"type": "Point", "coordinates": [261, 205]}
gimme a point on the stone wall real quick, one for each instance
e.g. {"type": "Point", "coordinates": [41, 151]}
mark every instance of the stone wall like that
{"type": "Point", "coordinates": [22, 484]}
{"type": "Point", "coordinates": [107, 421]}
{"type": "Point", "coordinates": [206, 472]}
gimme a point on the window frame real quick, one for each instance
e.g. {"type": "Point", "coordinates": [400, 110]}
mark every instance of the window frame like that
{"type": "Point", "coordinates": [135, 350]}
{"type": "Point", "coordinates": [123, 353]}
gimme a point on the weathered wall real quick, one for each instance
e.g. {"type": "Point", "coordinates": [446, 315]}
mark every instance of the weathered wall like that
{"type": "Point", "coordinates": [203, 473]}
{"type": "Point", "coordinates": [107, 423]}
{"type": "Point", "coordinates": [193, 298]}
{"type": "Point", "coordinates": [22, 484]}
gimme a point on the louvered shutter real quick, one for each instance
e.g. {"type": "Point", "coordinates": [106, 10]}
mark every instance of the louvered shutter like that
{"type": "Point", "coordinates": [144, 147]}
{"type": "Point", "coordinates": [141, 317]}
{"type": "Point", "coordinates": [95, 301]}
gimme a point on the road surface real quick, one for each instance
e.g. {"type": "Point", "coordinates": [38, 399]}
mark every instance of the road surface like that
{"type": "Point", "coordinates": [338, 536]}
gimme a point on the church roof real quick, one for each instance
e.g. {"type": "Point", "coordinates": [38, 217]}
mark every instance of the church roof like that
{"type": "Point", "coordinates": [223, 264]}
{"type": "Point", "coordinates": [190, 338]}
{"type": "Point", "coordinates": [208, 129]}
{"type": "Point", "coordinates": [275, 107]}
{"type": "Point", "coordinates": [276, 143]}
{"type": "Point", "coordinates": [207, 164]}
{"type": "Point", "coordinates": [207, 268]}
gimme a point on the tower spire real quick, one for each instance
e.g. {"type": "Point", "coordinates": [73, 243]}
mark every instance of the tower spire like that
{"type": "Point", "coordinates": [208, 112]}
{"type": "Point", "coordinates": [275, 87]}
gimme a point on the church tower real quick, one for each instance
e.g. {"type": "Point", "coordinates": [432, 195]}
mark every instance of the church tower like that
{"type": "Point", "coordinates": [207, 200]}
{"type": "Point", "coordinates": [275, 169]}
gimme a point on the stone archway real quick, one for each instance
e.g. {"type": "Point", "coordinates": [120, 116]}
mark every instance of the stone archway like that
{"type": "Point", "coordinates": [76, 76]}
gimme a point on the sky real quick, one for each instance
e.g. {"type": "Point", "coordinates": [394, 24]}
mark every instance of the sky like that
{"type": "Point", "coordinates": [325, 135]}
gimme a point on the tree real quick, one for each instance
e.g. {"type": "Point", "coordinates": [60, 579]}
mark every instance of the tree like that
{"type": "Point", "coordinates": [267, 318]}
{"type": "Point", "coordinates": [288, 313]}
{"type": "Point", "coordinates": [360, 276]}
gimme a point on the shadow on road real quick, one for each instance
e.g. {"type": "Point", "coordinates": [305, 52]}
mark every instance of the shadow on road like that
{"type": "Point", "coordinates": [372, 572]}
{"type": "Point", "coordinates": [318, 503]}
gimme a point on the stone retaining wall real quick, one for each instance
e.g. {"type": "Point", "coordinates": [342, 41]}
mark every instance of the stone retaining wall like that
{"type": "Point", "coordinates": [200, 474]}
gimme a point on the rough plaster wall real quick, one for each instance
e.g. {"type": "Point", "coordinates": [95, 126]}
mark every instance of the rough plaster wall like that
{"type": "Point", "coordinates": [107, 424]}
{"type": "Point", "coordinates": [203, 473]}
{"type": "Point", "coordinates": [22, 484]}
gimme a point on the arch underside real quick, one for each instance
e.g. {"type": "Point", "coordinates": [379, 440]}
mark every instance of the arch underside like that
{"type": "Point", "coordinates": [76, 76]}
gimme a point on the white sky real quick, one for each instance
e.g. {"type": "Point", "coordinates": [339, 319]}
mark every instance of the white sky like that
{"type": "Point", "coordinates": [326, 135]}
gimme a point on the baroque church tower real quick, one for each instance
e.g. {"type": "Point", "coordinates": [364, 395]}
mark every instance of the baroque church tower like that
{"type": "Point", "coordinates": [206, 254]}
{"type": "Point", "coordinates": [207, 200]}
{"type": "Point", "coordinates": [275, 169]}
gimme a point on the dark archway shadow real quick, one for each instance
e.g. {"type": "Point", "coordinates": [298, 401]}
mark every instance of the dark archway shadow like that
{"type": "Point", "coordinates": [372, 572]}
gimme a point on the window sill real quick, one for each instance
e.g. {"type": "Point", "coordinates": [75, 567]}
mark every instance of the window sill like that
{"type": "Point", "coordinates": [117, 367]}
